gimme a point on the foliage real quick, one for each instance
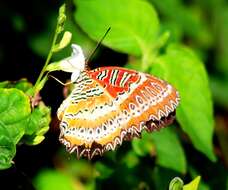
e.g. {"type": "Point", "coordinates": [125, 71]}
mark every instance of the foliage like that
{"type": "Point", "coordinates": [174, 46]}
{"type": "Point", "coordinates": [197, 124]}
{"type": "Point", "coordinates": [177, 184]}
{"type": "Point", "coordinates": [19, 122]}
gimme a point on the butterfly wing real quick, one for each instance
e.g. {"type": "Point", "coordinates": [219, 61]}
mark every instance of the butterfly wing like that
{"type": "Point", "coordinates": [112, 104]}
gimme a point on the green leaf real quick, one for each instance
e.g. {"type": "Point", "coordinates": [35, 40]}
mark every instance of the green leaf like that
{"type": "Point", "coordinates": [52, 179]}
{"type": "Point", "coordinates": [189, 20]}
{"type": "Point", "coordinates": [103, 171]}
{"type": "Point", "coordinates": [64, 42]}
{"type": "Point", "coordinates": [170, 153]}
{"type": "Point", "coordinates": [176, 184]}
{"type": "Point", "coordinates": [38, 124]}
{"type": "Point", "coordinates": [21, 84]}
{"type": "Point", "coordinates": [4, 84]}
{"type": "Point", "coordinates": [14, 109]}
{"type": "Point", "coordinates": [134, 25]}
{"type": "Point", "coordinates": [144, 145]}
{"type": "Point", "coordinates": [17, 121]}
{"type": "Point", "coordinates": [193, 185]}
{"type": "Point", "coordinates": [130, 159]}
{"type": "Point", "coordinates": [7, 148]}
{"type": "Point", "coordinates": [186, 72]}
{"type": "Point", "coordinates": [193, 173]}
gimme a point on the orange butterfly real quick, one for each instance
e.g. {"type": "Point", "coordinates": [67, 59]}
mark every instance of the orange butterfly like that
{"type": "Point", "coordinates": [111, 104]}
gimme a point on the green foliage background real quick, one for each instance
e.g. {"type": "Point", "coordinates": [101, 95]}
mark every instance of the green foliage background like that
{"type": "Point", "coordinates": [181, 42]}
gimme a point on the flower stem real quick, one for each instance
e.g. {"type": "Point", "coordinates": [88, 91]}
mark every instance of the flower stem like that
{"type": "Point", "coordinates": [58, 30]}
{"type": "Point", "coordinates": [46, 62]}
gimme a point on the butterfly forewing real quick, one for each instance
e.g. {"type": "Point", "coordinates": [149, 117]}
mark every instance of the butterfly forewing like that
{"type": "Point", "coordinates": [112, 104]}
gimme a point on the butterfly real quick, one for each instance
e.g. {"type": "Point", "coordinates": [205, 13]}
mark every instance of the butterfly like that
{"type": "Point", "coordinates": [111, 104]}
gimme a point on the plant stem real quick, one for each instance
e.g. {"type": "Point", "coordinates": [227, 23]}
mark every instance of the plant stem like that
{"type": "Point", "coordinates": [149, 54]}
{"type": "Point", "coordinates": [59, 28]}
{"type": "Point", "coordinates": [47, 60]}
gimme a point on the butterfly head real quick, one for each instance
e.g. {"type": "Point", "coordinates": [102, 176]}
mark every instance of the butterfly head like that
{"type": "Point", "coordinates": [74, 64]}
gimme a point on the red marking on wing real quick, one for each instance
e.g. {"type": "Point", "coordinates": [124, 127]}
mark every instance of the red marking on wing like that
{"type": "Point", "coordinates": [114, 89]}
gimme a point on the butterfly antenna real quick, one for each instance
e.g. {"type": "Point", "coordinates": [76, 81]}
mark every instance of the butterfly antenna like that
{"type": "Point", "coordinates": [97, 46]}
{"type": "Point", "coordinates": [59, 81]}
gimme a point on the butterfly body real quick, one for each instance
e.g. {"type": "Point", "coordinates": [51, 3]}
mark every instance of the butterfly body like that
{"type": "Point", "coordinates": [112, 104]}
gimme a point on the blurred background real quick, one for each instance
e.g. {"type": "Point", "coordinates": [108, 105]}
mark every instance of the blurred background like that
{"type": "Point", "coordinates": [27, 29]}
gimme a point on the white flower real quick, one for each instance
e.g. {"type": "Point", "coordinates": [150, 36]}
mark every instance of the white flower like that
{"type": "Point", "coordinates": [76, 62]}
